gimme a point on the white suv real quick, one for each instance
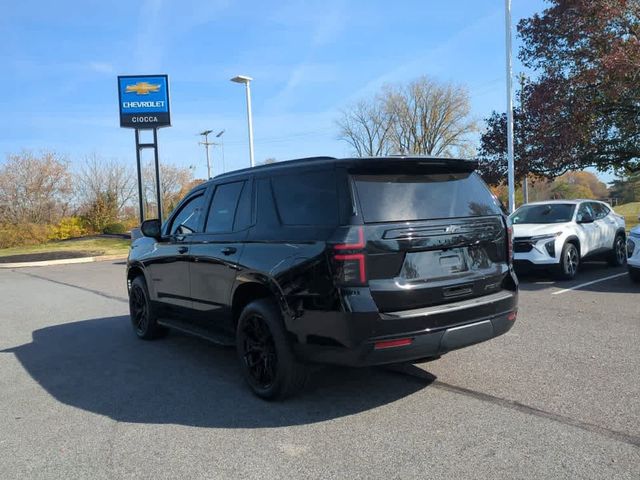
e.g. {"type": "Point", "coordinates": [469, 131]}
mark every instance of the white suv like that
{"type": "Point", "coordinates": [633, 251]}
{"type": "Point", "coordinates": [559, 234]}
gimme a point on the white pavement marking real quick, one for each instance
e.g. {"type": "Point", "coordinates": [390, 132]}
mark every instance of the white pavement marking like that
{"type": "Point", "coordinates": [589, 283]}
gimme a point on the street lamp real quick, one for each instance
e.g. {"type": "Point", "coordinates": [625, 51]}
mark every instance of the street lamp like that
{"type": "Point", "coordinates": [219, 135]}
{"type": "Point", "coordinates": [510, 161]}
{"type": "Point", "coordinates": [206, 144]}
{"type": "Point", "coordinates": [246, 80]}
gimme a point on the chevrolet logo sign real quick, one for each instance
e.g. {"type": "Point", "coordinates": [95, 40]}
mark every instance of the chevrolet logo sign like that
{"type": "Point", "coordinates": [142, 88]}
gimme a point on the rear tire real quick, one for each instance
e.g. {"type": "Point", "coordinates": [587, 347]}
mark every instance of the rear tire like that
{"type": "Point", "coordinates": [618, 256]}
{"type": "Point", "coordinates": [266, 359]}
{"type": "Point", "coordinates": [569, 262]}
{"type": "Point", "coordinates": [634, 275]}
{"type": "Point", "coordinates": [143, 318]}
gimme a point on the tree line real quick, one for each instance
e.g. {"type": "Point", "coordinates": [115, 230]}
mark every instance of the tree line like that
{"type": "Point", "coordinates": [43, 198]}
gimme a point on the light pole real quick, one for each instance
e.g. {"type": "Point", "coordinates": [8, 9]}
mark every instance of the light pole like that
{"type": "Point", "coordinates": [219, 135]}
{"type": "Point", "coordinates": [246, 80]}
{"type": "Point", "coordinates": [206, 144]}
{"type": "Point", "coordinates": [510, 167]}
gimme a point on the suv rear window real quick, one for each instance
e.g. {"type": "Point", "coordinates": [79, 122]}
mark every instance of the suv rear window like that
{"type": "Point", "coordinates": [306, 198]}
{"type": "Point", "coordinates": [397, 198]}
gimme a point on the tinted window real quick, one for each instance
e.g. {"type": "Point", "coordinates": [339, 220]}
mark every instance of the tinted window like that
{"type": "Point", "coordinates": [600, 210]}
{"type": "Point", "coordinates": [243, 212]}
{"type": "Point", "coordinates": [223, 208]}
{"type": "Point", "coordinates": [187, 219]}
{"type": "Point", "coordinates": [306, 198]}
{"type": "Point", "coordinates": [393, 198]}
{"type": "Point", "coordinates": [546, 213]}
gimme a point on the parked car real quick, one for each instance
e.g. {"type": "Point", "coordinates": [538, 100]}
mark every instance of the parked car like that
{"type": "Point", "coordinates": [345, 261]}
{"type": "Point", "coordinates": [633, 252]}
{"type": "Point", "coordinates": [560, 234]}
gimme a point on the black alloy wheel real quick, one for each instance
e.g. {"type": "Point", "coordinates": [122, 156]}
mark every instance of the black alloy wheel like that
{"type": "Point", "coordinates": [143, 318]}
{"type": "Point", "coordinates": [265, 352]}
{"type": "Point", "coordinates": [259, 352]}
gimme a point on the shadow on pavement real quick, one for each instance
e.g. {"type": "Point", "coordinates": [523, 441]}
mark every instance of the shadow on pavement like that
{"type": "Point", "coordinates": [537, 280]}
{"type": "Point", "coordinates": [100, 366]}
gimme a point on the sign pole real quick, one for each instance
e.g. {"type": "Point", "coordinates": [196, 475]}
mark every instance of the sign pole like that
{"type": "Point", "coordinates": [140, 197]}
{"type": "Point", "coordinates": [158, 192]}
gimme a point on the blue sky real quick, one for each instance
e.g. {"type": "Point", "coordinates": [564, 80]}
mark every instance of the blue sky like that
{"type": "Point", "coordinates": [309, 59]}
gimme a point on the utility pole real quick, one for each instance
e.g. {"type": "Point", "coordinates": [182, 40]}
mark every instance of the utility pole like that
{"type": "Point", "coordinates": [206, 144]}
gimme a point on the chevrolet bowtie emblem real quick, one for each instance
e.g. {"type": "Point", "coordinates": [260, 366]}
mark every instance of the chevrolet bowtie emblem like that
{"type": "Point", "coordinates": [142, 88]}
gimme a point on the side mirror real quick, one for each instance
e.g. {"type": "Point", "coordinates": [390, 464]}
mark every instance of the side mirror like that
{"type": "Point", "coordinates": [586, 218]}
{"type": "Point", "coordinates": [151, 228]}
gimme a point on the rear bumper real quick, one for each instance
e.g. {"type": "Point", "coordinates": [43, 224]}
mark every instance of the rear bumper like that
{"type": "Point", "coordinates": [433, 331]}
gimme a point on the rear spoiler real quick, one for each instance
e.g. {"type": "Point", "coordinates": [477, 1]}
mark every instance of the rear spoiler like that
{"type": "Point", "coordinates": [392, 164]}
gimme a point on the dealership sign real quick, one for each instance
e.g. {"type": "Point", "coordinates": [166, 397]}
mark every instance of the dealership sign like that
{"type": "Point", "coordinates": [144, 101]}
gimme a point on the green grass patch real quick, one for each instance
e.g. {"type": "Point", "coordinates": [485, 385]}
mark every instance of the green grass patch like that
{"type": "Point", "coordinates": [100, 246]}
{"type": "Point", "coordinates": [630, 212]}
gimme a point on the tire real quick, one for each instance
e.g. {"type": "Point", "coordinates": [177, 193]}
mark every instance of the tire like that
{"type": "Point", "coordinates": [618, 256]}
{"type": "Point", "coordinates": [143, 319]}
{"type": "Point", "coordinates": [569, 262]}
{"type": "Point", "coordinates": [266, 359]}
{"type": "Point", "coordinates": [634, 275]}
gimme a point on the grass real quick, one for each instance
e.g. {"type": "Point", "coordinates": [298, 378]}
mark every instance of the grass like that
{"type": "Point", "coordinates": [630, 212]}
{"type": "Point", "coordinates": [100, 246]}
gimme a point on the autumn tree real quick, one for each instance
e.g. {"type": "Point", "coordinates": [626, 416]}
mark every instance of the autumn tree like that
{"type": "Point", "coordinates": [174, 184]}
{"type": "Point", "coordinates": [34, 188]}
{"type": "Point", "coordinates": [424, 117]}
{"type": "Point", "coordinates": [582, 109]}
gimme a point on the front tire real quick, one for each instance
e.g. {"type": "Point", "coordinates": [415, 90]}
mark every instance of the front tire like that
{"type": "Point", "coordinates": [569, 262]}
{"type": "Point", "coordinates": [143, 318]}
{"type": "Point", "coordinates": [266, 359]}
{"type": "Point", "coordinates": [618, 255]}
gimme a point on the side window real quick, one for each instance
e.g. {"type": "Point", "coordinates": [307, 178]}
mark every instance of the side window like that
{"type": "Point", "coordinates": [223, 208]}
{"type": "Point", "coordinates": [584, 210]}
{"type": "Point", "coordinates": [187, 220]}
{"type": "Point", "coordinates": [600, 210]}
{"type": "Point", "coordinates": [306, 198]}
{"type": "Point", "coordinates": [244, 211]}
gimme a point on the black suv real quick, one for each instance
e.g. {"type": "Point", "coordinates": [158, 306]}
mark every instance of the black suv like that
{"type": "Point", "coordinates": [358, 261]}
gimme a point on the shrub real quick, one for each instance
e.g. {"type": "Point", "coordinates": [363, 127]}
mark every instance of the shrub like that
{"type": "Point", "coordinates": [115, 228]}
{"type": "Point", "coordinates": [13, 235]}
{"type": "Point", "coordinates": [69, 227]}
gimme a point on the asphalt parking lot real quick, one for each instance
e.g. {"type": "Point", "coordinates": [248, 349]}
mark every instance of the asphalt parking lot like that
{"type": "Point", "coordinates": [80, 397]}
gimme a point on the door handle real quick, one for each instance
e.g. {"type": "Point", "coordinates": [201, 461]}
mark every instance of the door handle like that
{"type": "Point", "coordinates": [183, 249]}
{"type": "Point", "coordinates": [229, 250]}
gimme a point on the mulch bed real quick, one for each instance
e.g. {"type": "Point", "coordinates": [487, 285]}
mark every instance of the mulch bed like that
{"type": "Point", "coordinates": [42, 256]}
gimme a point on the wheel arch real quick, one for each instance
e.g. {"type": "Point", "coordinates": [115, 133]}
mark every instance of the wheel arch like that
{"type": "Point", "coordinates": [576, 241]}
{"type": "Point", "coordinates": [254, 287]}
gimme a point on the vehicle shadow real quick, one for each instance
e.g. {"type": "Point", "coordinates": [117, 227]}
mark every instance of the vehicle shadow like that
{"type": "Point", "coordinates": [100, 366]}
{"type": "Point", "coordinates": [535, 280]}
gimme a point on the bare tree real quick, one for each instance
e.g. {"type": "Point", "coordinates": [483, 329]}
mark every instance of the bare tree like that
{"type": "Point", "coordinates": [98, 177]}
{"type": "Point", "coordinates": [34, 188]}
{"type": "Point", "coordinates": [366, 126]}
{"type": "Point", "coordinates": [175, 182]}
{"type": "Point", "coordinates": [425, 117]}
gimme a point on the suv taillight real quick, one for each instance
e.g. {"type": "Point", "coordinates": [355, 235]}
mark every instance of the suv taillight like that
{"type": "Point", "coordinates": [349, 261]}
{"type": "Point", "coordinates": [510, 243]}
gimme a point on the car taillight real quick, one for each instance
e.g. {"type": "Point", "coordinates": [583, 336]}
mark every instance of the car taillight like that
{"type": "Point", "coordinates": [350, 261]}
{"type": "Point", "coordinates": [510, 243]}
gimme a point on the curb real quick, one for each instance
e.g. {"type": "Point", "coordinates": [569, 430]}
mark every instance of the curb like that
{"type": "Point", "coordinates": [64, 261]}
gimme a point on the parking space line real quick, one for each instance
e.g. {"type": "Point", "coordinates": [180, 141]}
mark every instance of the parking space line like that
{"type": "Point", "coordinates": [589, 283]}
